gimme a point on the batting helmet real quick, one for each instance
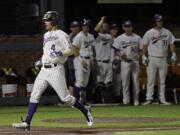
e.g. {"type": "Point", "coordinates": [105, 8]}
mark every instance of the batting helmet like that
{"type": "Point", "coordinates": [51, 16]}
{"type": "Point", "coordinates": [85, 22]}
{"type": "Point", "coordinates": [157, 18]}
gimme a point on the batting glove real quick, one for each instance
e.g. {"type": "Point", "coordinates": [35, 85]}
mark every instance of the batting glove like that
{"type": "Point", "coordinates": [144, 60]}
{"type": "Point", "coordinates": [56, 53]}
{"type": "Point", "coordinates": [173, 57]}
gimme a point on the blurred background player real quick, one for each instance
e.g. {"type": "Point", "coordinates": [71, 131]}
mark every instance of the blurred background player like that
{"type": "Point", "coordinates": [74, 28]}
{"type": "Point", "coordinates": [83, 53]}
{"type": "Point", "coordinates": [156, 44]}
{"type": "Point", "coordinates": [103, 44]}
{"type": "Point", "coordinates": [127, 47]}
{"type": "Point", "coordinates": [116, 65]}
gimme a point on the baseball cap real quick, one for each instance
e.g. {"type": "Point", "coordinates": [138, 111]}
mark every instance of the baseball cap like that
{"type": "Point", "coordinates": [127, 23]}
{"type": "Point", "coordinates": [113, 26]}
{"type": "Point", "coordinates": [74, 24]}
{"type": "Point", "coordinates": [157, 18]}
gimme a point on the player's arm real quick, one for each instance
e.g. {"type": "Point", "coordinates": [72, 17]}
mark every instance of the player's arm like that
{"type": "Point", "coordinates": [172, 48]}
{"type": "Point", "coordinates": [100, 23]}
{"type": "Point", "coordinates": [75, 50]}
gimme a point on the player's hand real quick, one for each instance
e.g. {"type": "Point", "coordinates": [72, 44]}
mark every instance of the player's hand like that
{"type": "Point", "coordinates": [38, 64]}
{"type": "Point", "coordinates": [103, 19]}
{"type": "Point", "coordinates": [145, 60]}
{"type": "Point", "coordinates": [84, 64]}
{"type": "Point", "coordinates": [173, 58]}
{"type": "Point", "coordinates": [56, 53]}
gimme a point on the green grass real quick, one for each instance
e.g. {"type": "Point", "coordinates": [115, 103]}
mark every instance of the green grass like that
{"type": "Point", "coordinates": [8, 115]}
{"type": "Point", "coordinates": [149, 133]}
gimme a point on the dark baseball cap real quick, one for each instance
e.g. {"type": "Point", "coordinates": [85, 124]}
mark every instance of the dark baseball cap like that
{"type": "Point", "coordinates": [74, 24]}
{"type": "Point", "coordinates": [157, 18]}
{"type": "Point", "coordinates": [127, 23]}
{"type": "Point", "coordinates": [113, 26]}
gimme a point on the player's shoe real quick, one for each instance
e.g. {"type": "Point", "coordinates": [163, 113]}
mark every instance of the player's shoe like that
{"type": "Point", "coordinates": [164, 103]}
{"type": "Point", "coordinates": [90, 120]}
{"type": "Point", "coordinates": [148, 102]}
{"type": "Point", "coordinates": [136, 103]}
{"type": "Point", "coordinates": [21, 125]}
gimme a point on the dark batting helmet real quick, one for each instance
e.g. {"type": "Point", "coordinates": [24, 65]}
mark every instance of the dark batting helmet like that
{"type": "Point", "coordinates": [51, 16]}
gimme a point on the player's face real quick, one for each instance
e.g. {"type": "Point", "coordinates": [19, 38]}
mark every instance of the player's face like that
{"type": "Point", "coordinates": [48, 25]}
{"type": "Point", "coordinates": [128, 29]}
{"type": "Point", "coordinates": [159, 24]}
{"type": "Point", "coordinates": [105, 28]}
{"type": "Point", "coordinates": [114, 32]}
{"type": "Point", "coordinates": [75, 30]}
{"type": "Point", "coordinates": [85, 28]}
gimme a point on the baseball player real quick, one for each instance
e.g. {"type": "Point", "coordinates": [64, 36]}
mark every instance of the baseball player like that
{"type": "Point", "coordinates": [103, 50]}
{"type": "Point", "coordinates": [114, 30]}
{"type": "Point", "coordinates": [74, 28]}
{"type": "Point", "coordinates": [127, 47]}
{"type": "Point", "coordinates": [56, 49]}
{"type": "Point", "coordinates": [156, 43]}
{"type": "Point", "coordinates": [83, 53]}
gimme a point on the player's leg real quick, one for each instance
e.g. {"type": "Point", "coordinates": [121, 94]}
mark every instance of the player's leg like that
{"type": "Point", "coordinates": [39, 86]}
{"type": "Point", "coordinates": [125, 74]}
{"type": "Point", "coordinates": [151, 75]}
{"type": "Point", "coordinates": [135, 78]}
{"type": "Point", "coordinates": [108, 81]}
{"type": "Point", "coordinates": [57, 81]}
{"type": "Point", "coordinates": [78, 77]}
{"type": "Point", "coordinates": [163, 67]}
{"type": "Point", "coordinates": [100, 86]}
{"type": "Point", "coordinates": [84, 82]}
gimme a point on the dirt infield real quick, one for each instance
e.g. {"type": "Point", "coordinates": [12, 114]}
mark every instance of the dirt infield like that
{"type": "Point", "coordinates": [69, 131]}
{"type": "Point", "coordinates": [4, 130]}
{"type": "Point", "coordinates": [112, 120]}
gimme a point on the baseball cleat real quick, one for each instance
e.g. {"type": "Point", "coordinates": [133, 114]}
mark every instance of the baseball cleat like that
{"type": "Point", "coordinates": [165, 103]}
{"type": "Point", "coordinates": [148, 102]}
{"type": "Point", "coordinates": [90, 120]}
{"type": "Point", "coordinates": [21, 125]}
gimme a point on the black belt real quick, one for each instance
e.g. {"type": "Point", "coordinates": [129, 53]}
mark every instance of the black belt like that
{"type": "Point", "coordinates": [85, 57]}
{"type": "Point", "coordinates": [104, 61]}
{"type": "Point", "coordinates": [49, 65]}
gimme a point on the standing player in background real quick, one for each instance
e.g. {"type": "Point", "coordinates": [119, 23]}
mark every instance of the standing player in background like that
{"type": "Point", "coordinates": [74, 28]}
{"type": "Point", "coordinates": [56, 49]}
{"type": "Point", "coordinates": [156, 44]}
{"type": "Point", "coordinates": [116, 64]}
{"type": "Point", "coordinates": [83, 53]}
{"type": "Point", "coordinates": [127, 47]}
{"type": "Point", "coordinates": [103, 51]}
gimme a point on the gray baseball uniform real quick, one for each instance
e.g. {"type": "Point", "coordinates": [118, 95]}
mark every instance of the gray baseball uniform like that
{"type": "Point", "coordinates": [103, 57]}
{"type": "Point", "coordinates": [84, 43]}
{"type": "Point", "coordinates": [158, 43]}
{"type": "Point", "coordinates": [130, 45]}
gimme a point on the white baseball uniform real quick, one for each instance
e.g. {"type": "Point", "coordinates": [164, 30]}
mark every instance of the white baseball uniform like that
{"type": "Point", "coordinates": [84, 43]}
{"type": "Point", "coordinates": [130, 45]}
{"type": "Point", "coordinates": [52, 72]}
{"type": "Point", "coordinates": [158, 43]}
{"type": "Point", "coordinates": [103, 51]}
